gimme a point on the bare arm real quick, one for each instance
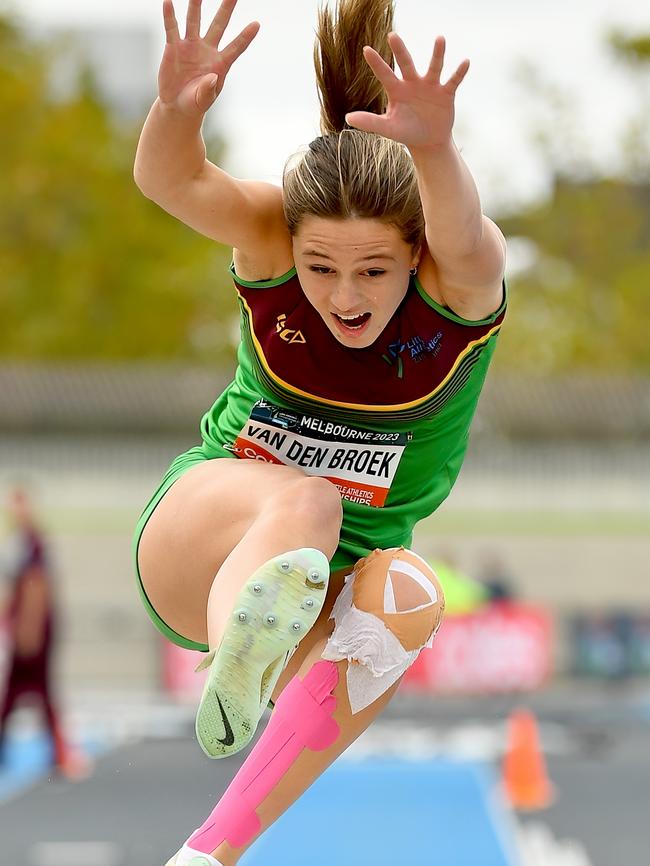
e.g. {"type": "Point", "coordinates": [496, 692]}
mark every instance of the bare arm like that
{"type": "Point", "coordinates": [465, 259]}
{"type": "Point", "coordinates": [468, 249]}
{"type": "Point", "coordinates": [171, 166]}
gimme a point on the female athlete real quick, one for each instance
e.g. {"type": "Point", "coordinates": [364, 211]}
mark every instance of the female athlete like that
{"type": "Point", "coordinates": [371, 293]}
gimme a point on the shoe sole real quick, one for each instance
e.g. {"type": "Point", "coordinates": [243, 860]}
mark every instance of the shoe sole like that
{"type": "Point", "coordinates": [274, 611]}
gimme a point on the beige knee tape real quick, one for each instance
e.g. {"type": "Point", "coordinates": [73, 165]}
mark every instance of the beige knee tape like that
{"type": "Point", "coordinates": [389, 610]}
{"type": "Point", "coordinates": [401, 589]}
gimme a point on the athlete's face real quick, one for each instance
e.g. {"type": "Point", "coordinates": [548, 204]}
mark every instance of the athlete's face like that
{"type": "Point", "coordinates": [354, 272]}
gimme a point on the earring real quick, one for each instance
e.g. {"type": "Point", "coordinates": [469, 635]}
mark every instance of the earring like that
{"type": "Point", "coordinates": [413, 271]}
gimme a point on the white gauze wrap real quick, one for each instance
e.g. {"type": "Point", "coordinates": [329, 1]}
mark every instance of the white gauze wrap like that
{"type": "Point", "coordinates": [363, 638]}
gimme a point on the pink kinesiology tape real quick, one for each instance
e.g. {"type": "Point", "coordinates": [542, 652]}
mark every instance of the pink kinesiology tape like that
{"type": "Point", "coordinates": [302, 719]}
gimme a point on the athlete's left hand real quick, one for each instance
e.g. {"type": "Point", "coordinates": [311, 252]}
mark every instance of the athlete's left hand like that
{"type": "Point", "coordinates": [420, 110]}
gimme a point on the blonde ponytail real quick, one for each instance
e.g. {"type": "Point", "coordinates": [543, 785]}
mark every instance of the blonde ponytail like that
{"type": "Point", "coordinates": [344, 80]}
{"type": "Point", "coordinates": [346, 173]}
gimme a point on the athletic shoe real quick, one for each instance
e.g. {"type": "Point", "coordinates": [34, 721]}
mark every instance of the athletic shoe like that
{"type": "Point", "coordinates": [274, 611]}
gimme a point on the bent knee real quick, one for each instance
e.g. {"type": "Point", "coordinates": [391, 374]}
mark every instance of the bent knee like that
{"type": "Point", "coordinates": [402, 591]}
{"type": "Point", "coordinates": [390, 608]}
{"type": "Point", "coordinates": [312, 498]}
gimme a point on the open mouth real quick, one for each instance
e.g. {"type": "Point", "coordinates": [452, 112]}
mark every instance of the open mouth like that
{"type": "Point", "coordinates": [352, 323]}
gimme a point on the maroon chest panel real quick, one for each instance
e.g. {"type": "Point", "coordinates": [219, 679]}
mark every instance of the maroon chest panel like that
{"type": "Point", "coordinates": [416, 354]}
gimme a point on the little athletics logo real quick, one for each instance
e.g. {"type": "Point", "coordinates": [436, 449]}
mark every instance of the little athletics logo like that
{"type": "Point", "coordinates": [289, 335]}
{"type": "Point", "coordinates": [362, 463]}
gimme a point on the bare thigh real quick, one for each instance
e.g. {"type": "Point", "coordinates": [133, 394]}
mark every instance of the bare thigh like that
{"type": "Point", "coordinates": [196, 526]}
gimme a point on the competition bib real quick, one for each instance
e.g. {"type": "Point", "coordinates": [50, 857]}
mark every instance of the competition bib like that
{"type": "Point", "coordinates": [361, 463]}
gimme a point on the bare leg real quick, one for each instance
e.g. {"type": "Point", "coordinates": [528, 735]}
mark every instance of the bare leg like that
{"type": "Point", "coordinates": [262, 511]}
{"type": "Point", "coordinates": [309, 764]}
{"type": "Point", "coordinates": [11, 694]}
{"type": "Point", "coordinates": [280, 769]}
{"type": "Point", "coordinates": [308, 514]}
{"type": "Point", "coordinates": [217, 525]}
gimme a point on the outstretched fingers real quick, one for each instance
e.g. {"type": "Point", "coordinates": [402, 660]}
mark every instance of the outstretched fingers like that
{"type": "Point", "coordinates": [383, 73]}
{"type": "Point", "coordinates": [169, 19]}
{"type": "Point", "coordinates": [239, 44]}
{"type": "Point", "coordinates": [193, 21]}
{"type": "Point", "coordinates": [219, 23]}
{"type": "Point", "coordinates": [206, 92]}
{"type": "Point", "coordinates": [434, 71]}
{"type": "Point", "coordinates": [456, 79]}
{"type": "Point", "coordinates": [403, 57]}
{"type": "Point", "coordinates": [366, 121]}
{"type": "Point", "coordinates": [437, 61]}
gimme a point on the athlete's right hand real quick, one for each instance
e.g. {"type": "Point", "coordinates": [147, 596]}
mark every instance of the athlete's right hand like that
{"type": "Point", "coordinates": [193, 69]}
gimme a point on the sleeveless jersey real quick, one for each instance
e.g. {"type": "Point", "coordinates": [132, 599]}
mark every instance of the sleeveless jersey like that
{"type": "Point", "coordinates": [388, 424]}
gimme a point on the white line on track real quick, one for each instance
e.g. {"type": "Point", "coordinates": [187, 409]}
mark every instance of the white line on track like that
{"type": "Point", "coordinates": [472, 741]}
{"type": "Point", "coordinates": [75, 854]}
{"type": "Point", "coordinates": [538, 847]}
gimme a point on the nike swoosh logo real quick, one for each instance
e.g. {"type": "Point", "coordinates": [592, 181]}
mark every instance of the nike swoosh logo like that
{"type": "Point", "coordinates": [229, 739]}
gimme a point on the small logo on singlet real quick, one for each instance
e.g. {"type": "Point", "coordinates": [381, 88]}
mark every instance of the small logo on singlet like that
{"type": "Point", "coordinates": [417, 349]}
{"type": "Point", "coordinates": [289, 335]}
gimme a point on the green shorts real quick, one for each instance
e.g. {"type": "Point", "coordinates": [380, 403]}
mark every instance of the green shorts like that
{"type": "Point", "coordinates": [178, 467]}
{"type": "Point", "coordinates": [351, 548]}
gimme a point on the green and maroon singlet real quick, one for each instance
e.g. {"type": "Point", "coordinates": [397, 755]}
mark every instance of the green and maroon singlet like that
{"type": "Point", "coordinates": [387, 424]}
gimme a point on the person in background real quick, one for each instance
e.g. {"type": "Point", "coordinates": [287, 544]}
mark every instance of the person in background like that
{"type": "Point", "coordinates": [496, 578]}
{"type": "Point", "coordinates": [30, 622]}
{"type": "Point", "coordinates": [463, 594]}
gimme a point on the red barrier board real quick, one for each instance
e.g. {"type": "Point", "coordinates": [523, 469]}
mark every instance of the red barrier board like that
{"type": "Point", "coordinates": [503, 648]}
{"type": "Point", "coordinates": [500, 649]}
{"type": "Point", "coordinates": [178, 672]}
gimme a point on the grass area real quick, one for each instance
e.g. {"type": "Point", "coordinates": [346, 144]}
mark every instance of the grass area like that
{"type": "Point", "coordinates": [452, 522]}
{"type": "Point", "coordinates": [555, 523]}
{"type": "Point", "coordinates": [110, 521]}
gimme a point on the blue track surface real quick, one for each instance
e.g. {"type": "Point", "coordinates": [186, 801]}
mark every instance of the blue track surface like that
{"type": "Point", "coordinates": [392, 813]}
{"type": "Point", "coordinates": [28, 761]}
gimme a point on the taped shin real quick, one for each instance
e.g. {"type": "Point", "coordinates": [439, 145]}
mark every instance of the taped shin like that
{"type": "Point", "coordinates": [302, 719]}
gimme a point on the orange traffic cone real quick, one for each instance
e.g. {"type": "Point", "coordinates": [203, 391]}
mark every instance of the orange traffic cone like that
{"type": "Point", "coordinates": [77, 766]}
{"type": "Point", "coordinates": [70, 761]}
{"type": "Point", "coordinates": [525, 779]}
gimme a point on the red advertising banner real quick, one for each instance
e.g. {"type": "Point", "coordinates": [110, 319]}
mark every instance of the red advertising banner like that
{"type": "Point", "coordinates": [179, 679]}
{"type": "Point", "coordinates": [500, 649]}
{"type": "Point", "coordinates": [503, 648]}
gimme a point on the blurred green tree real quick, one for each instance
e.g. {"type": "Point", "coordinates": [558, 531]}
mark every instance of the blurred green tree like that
{"type": "Point", "coordinates": [89, 267]}
{"type": "Point", "coordinates": [581, 300]}
{"type": "Point", "coordinates": [634, 48]}
{"type": "Point", "coordinates": [583, 304]}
